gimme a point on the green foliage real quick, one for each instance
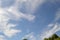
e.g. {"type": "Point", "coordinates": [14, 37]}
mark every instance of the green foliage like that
{"type": "Point", "coordinates": [53, 37]}
{"type": "Point", "coordinates": [57, 39]}
{"type": "Point", "coordinates": [25, 39]}
{"type": "Point", "coordinates": [45, 39]}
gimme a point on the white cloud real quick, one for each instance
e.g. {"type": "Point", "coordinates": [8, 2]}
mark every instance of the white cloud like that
{"type": "Point", "coordinates": [2, 37]}
{"type": "Point", "coordinates": [30, 36]}
{"type": "Point", "coordinates": [50, 25]}
{"type": "Point", "coordinates": [5, 27]}
{"type": "Point", "coordinates": [12, 13]}
{"type": "Point", "coordinates": [17, 15]}
{"type": "Point", "coordinates": [31, 5]}
{"type": "Point", "coordinates": [48, 33]}
{"type": "Point", "coordinates": [11, 32]}
{"type": "Point", "coordinates": [55, 26]}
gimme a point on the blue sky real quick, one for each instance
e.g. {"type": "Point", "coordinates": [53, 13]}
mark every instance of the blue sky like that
{"type": "Point", "coordinates": [31, 19]}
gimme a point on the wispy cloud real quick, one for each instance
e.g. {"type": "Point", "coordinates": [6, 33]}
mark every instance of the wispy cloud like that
{"type": "Point", "coordinates": [4, 25]}
{"type": "Point", "coordinates": [12, 13]}
{"type": "Point", "coordinates": [30, 5]}
{"type": "Point", "coordinates": [17, 14]}
{"type": "Point", "coordinates": [57, 15]}
{"type": "Point", "coordinates": [33, 4]}
{"type": "Point", "coordinates": [54, 1]}
{"type": "Point", "coordinates": [2, 37]}
{"type": "Point", "coordinates": [11, 32]}
{"type": "Point", "coordinates": [30, 36]}
{"type": "Point", "coordinates": [48, 33]}
{"type": "Point", "coordinates": [55, 26]}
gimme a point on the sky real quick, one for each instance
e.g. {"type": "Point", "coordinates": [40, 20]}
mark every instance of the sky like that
{"type": "Point", "coordinates": [31, 19]}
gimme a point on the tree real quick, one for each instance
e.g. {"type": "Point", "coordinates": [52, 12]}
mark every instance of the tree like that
{"type": "Point", "coordinates": [25, 39]}
{"type": "Point", "coordinates": [45, 39]}
{"type": "Point", "coordinates": [58, 38]}
{"type": "Point", "coordinates": [53, 37]}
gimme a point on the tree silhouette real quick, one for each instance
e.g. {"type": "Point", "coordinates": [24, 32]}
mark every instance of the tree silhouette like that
{"type": "Point", "coordinates": [45, 39]}
{"type": "Point", "coordinates": [57, 39]}
{"type": "Point", "coordinates": [25, 39]}
{"type": "Point", "coordinates": [53, 37]}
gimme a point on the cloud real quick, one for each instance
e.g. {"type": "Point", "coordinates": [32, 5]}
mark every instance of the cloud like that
{"type": "Point", "coordinates": [53, 27]}
{"type": "Point", "coordinates": [33, 4]}
{"type": "Point", "coordinates": [2, 37]}
{"type": "Point", "coordinates": [30, 36]}
{"type": "Point", "coordinates": [5, 27]}
{"type": "Point", "coordinates": [48, 33]}
{"type": "Point", "coordinates": [11, 32]}
{"type": "Point", "coordinates": [12, 13]}
{"type": "Point", "coordinates": [28, 5]}
{"type": "Point", "coordinates": [54, 1]}
{"type": "Point", "coordinates": [57, 15]}
{"type": "Point", "coordinates": [17, 14]}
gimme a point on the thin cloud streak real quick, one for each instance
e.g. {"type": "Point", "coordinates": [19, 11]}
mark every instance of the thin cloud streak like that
{"type": "Point", "coordinates": [48, 33]}
{"type": "Point", "coordinates": [55, 27]}
{"type": "Point", "coordinates": [12, 13]}
{"type": "Point", "coordinates": [2, 37]}
{"type": "Point", "coordinates": [30, 36]}
{"type": "Point", "coordinates": [30, 5]}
